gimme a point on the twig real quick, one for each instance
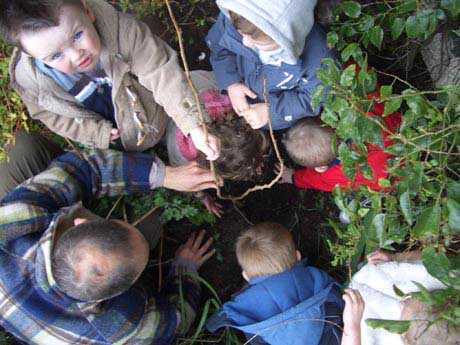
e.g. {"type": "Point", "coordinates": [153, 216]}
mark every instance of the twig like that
{"type": "Point", "coordinates": [242, 214]}
{"type": "Point", "coordinates": [153, 209]}
{"type": "Point", "coordinates": [74, 148]}
{"type": "Point", "coordinates": [114, 207]}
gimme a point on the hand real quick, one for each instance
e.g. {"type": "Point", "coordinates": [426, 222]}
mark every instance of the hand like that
{"type": "Point", "coordinates": [286, 177]}
{"type": "Point", "coordinates": [211, 204]}
{"type": "Point", "coordinates": [257, 115]}
{"type": "Point", "coordinates": [114, 134]}
{"type": "Point", "coordinates": [211, 147]}
{"type": "Point", "coordinates": [353, 312]}
{"type": "Point", "coordinates": [237, 93]}
{"type": "Point", "coordinates": [379, 257]}
{"type": "Point", "coordinates": [194, 251]}
{"type": "Point", "coordinates": [188, 178]}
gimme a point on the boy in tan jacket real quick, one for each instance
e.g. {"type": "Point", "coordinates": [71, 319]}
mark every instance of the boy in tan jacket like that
{"type": "Point", "coordinates": [93, 75]}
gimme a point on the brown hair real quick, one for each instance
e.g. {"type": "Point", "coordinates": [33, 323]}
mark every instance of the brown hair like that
{"type": "Point", "coordinates": [246, 27]}
{"type": "Point", "coordinates": [309, 143]}
{"type": "Point", "coordinates": [265, 248]}
{"type": "Point", "coordinates": [243, 150]}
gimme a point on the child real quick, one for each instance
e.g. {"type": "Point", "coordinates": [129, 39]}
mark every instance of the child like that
{"type": "Point", "coordinates": [276, 41]}
{"type": "Point", "coordinates": [310, 144]}
{"type": "Point", "coordinates": [93, 75]}
{"type": "Point", "coordinates": [286, 301]}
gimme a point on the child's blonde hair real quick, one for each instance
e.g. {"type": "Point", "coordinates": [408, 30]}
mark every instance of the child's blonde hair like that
{"type": "Point", "coordinates": [266, 248]}
{"type": "Point", "coordinates": [246, 27]}
{"type": "Point", "coordinates": [310, 144]}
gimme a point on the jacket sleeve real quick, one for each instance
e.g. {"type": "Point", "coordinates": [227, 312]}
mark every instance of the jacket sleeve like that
{"type": "Point", "coordinates": [223, 61]}
{"type": "Point", "coordinates": [308, 178]}
{"type": "Point", "coordinates": [157, 67]}
{"type": "Point", "coordinates": [69, 179]}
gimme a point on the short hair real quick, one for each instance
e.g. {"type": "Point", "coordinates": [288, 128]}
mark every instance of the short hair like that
{"type": "Point", "coordinates": [246, 27]}
{"type": "Point", "coordinates": [310, 144]}
{"type": "Point", "coordinates": [108, 237]}
{"type": "Point", "coordinates": [17, 16]}
{"type": "Point", "coordinates": [243, 150]}
{"type": "Point", "coordinates": [265, 248]}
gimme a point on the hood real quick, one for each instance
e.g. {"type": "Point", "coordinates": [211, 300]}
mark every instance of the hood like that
{"type": "Point", "coordinates": [288, 22]}
{"type": "Point", "coordinates": [289, 304]}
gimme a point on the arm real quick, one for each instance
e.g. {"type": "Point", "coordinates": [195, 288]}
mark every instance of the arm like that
{"type": "Point", "coordinates": [157, 67]}
{"type": "Point", "coordinates": [70, 178]}
{"type": "Point", "coordinates": [223, 61]}
{"type": "Point", "coordinates": [352, 315]}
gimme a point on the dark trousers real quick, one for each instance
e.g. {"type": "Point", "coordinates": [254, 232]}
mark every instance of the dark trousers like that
{"type": "Point", "coordinates": [29, 155]}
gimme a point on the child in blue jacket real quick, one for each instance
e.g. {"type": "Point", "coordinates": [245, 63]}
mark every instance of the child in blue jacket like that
{"type": "Point", "coordinates": [286, 301]}
{"type": "Point", "coordinates": [276, 41]}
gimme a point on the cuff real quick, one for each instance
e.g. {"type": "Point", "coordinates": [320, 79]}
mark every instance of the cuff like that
{"type": "Point", "coordinates": [103, 141]}
{"type": "Point", "coordinates": [157, 174]}
{"type": "Point", "coordinates": [181, 266]}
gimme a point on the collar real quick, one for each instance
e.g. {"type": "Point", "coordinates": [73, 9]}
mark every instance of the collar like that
{"type": "Point", "coordinates": [259, 279]}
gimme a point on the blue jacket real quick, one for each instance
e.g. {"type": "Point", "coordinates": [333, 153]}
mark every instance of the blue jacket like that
{"type": "Point", "coordinates": [289, 305]}
{"type": "Point", "coordinates": [289, 86]}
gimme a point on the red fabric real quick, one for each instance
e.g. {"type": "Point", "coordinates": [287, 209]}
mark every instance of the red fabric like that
{"type": "Point", "coordinates": [377, 159]}
{"type": "Point", "coordinates": [216, 105]}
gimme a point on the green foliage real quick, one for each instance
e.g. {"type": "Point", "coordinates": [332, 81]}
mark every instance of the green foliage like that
{"type": "Point", "coordinates": [420, 205]}
{"type": "Point", "coordinates": [393, 326]}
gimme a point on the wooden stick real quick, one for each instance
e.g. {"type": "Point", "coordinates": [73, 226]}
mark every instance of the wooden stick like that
{"type": "Point", "coordinates": [145, 215]}
{"type": "Point", "coordinates": [114, 207]}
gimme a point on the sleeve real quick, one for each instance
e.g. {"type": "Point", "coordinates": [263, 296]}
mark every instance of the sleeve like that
{"type": "Point", "coordinates": [308, 178]}
{"type": "Point", "coordinates": [223, 61]}
{"type": "Point", "coordinates": [71, 178]}
{"type": "Point", "coordinates": [157, 67]}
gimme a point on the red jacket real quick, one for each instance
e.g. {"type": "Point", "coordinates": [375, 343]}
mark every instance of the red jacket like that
{"type": "Point", "coordinates": [376, 159]}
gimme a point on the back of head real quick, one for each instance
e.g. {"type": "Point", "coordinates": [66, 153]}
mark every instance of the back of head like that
{"type": "Point", "coordinates": [421, 331]}
{"type": "Point", "coordinates": [243, 150]}
{"type": "Point", "coordinates": [264, 249]}
{"type": "Point", "coordinates": [310, 144]}
{"type": "Point", "coordinates": [18, 16]}
{"type": "Point", "coordinates": [94, 260]}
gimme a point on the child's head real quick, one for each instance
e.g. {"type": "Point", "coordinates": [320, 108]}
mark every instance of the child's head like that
{"type": "Point", "coordinates": [265, 249]}
{"type": "Point", "coordinates": [58, 32]}
{"type": "Point", "coordinates": [310, 144]}
{"type": "Point", "coordinates": [252, 35]}
{"type": "Point", "coordinates": [243, 150]}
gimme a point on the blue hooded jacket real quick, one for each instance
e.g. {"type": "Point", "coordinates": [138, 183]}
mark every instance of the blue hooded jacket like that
{"type": "Point", "coordinates": [285, 308]}
{"type": "Point", "coordinates": [289, 85]}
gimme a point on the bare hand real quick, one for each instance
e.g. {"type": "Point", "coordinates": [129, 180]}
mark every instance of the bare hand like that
{"type": "Point", "coordinates": [237, 93]}
{"type": "Point", "coordinates": [210, 147]}
{"type": "Point", "coordinates": [211, 204]}
{"type": "Point", "coordinates": [193, 250]}
{"type": "Point", "coordinates": [353, 312]}
{"type": "Point", "coordinates": [256, 115]}
{"type": "Point", "coordinates": [188, 178]}
{"type": "Point", "coordinates": [286, 177]}
{"type": "Point", "coordinates": [380, 256]}
{"type": "Point", "coordinates": [114, 134]}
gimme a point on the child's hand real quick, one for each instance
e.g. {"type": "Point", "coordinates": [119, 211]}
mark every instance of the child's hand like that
{"type": "Point", "coordinates": [210, 203]}
{"type": "Point", "coordinates": [237, 93]}
{"type": "Point", "coordinates": [195, 251]}
{"type": "Point", "coordinates": [211, 147]}
{"type": "Point", "coordinates": [287, 173]}
{"type": "Point", "coordinates": [353, 312]}
{"type": "Point", "coordinates": [114, 134]}
{"type": "Point", "coordinates": [380, 256]}
{"type": "Point", "coordinates": [257, 115]}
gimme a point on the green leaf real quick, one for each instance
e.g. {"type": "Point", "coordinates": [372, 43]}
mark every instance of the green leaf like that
{"type": "Point", "coordinates": [398, 291]}
{"type": "Point", "coordinates": [332, 39]}
{"type": "Point", "coordinates": [428, 222]}
{"type": "Point", "coordinates": [411, 27]}
{"type": "Point", "coordinates": [378, 223]}
{"type": "Point", "coordinates": [348, 75]}
{"type": "Point", "coordinates": [392, 105]}
{"type": "Point", "coordinates": [406, 207]}
{"type": "Point", "coordinates": [329, 117]}
{"type": "Point", "coordinates": [453, 190]}
{"type": "Point", "coordinates": [393, 326]}
{"type": "Point", "coordinates": [454, 214]}
{"type": "Point", "coordinates": [376, 36]}
{"type": "Point", "coordinates": [352, 9]}
{"type": "Point", "coordinates": [407, 6]}
{"type": "Point", "coordinates": [452, 6]}
{"type": "Point", "coordinates": [437, 264]}
{"type": "Point", "coordinates": [317, 97]}
{"type": "Point", "coordinates": [386, 91]}
{"type": "Point", "coordinates": [346, 156]}
{"type": "Point", "coordinates": [352, 49]}
{"type": "Point", "coordinates": [384, 183]}
{"type": "Point", "coordinates": [397, 28]}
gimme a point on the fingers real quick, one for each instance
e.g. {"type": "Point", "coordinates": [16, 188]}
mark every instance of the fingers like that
{"type": "Point", "coordinates": [248, 92]}
{"type": "Point", "coordinates": [206, 257]}
{"type": "Point", "coordinates": [197, 243]}
{"type": "Point", "coordinates": [204, 249]}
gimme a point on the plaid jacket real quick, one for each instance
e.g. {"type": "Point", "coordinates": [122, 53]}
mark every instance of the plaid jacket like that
{"type": "Point", "coordinates": [31, 305]}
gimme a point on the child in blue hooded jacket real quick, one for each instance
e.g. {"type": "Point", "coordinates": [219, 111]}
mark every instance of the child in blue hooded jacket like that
{"type": "Point", "coordinates": [286, 301]}
{"type": "Point", "coordinates": [276, 41]}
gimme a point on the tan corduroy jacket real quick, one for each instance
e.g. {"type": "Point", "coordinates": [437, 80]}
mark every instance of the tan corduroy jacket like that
{"type": "Point", "coordinates": [147, 84]}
